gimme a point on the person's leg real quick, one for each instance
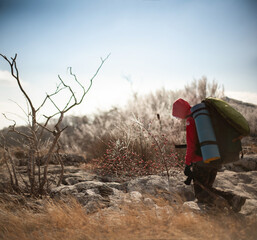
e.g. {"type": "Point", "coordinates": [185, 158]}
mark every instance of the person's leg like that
{"type": "Point", "coordinates": [205, 175]}
{"type": "Point", "coordinates": [212, 173]}
{"type": "Point", "coordinates": [202, 183]}
{"type": "Point", "coordinates": [235, 201]}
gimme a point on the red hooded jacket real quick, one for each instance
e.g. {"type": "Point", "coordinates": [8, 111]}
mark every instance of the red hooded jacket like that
{"type": "Point", "coordinates": [181, 109]}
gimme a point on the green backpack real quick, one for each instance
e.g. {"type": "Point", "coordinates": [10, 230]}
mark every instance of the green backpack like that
{"type": "Point", "coordinates": [229, 126]}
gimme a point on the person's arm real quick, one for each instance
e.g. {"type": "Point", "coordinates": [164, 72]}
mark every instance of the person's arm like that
{"type": "Point", "coordinates": [192, 139]}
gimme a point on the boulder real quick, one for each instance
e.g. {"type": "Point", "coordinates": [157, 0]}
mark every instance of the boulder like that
{"type": "Point", "coordinates": [240, 183]}
{"type": "Point", "coordinates": [245, 164]}
{"type": "Point", "coordinates": [160, 186]}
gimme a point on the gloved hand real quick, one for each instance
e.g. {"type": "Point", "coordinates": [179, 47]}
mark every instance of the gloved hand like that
{"type": "Point", "coordinates": [188, 180]}
{"type": "Point", "coordinates": [187, 170]}
{"type": "Point", "coordinates": [189, 175]}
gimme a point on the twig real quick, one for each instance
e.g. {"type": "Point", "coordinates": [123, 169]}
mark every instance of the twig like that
{"type": "Point", "coordinates": [158, 145]}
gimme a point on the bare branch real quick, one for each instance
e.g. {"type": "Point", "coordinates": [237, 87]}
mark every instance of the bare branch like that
{"type": "Point", "coordinates": [58, 89]}
{"type": "Point", "coordinates": [70, 89]}
{"type": "Point", "coordinates": [85, 91]}
{"type": "Point", "coordinates": [90, 85]}
{"type": "Point", "coordinates": [13, 129]}
{"type": "Point", "coordinates": [91, 80]}
{"type": "Point", "coordinates": [14, 122]}
{"type": "Point", "coordinates": [49, 97]}
{"type": "Point", "coordinates": [68, 103]}
{"type": "Point", "coordinates": [18, 106]}
{"type": "Point", "coordinates": [13, 66]}
{"type": "Point", "coordinates": [75, 77]}
{"type": "Point", "coordinates": [44, 127]}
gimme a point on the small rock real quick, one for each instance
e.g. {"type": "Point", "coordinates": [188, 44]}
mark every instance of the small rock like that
{"type": "Point", "coordinates": [149, 202]}
{"type": "Point", "coordinates": [192, 205]}
{"type": "Point", "coordinates": [105, 191]}
{"type": "Point", "coordinates": [72, 180]}
{"type": "Point", "coordinates": [135, 196]}
{"type": "Point", "coordinates": [249, 208]}
{"type": "Point", "coordinates": [87, 185]}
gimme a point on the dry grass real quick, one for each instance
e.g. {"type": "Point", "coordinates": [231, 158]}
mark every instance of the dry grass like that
{"type": "Point", "coordinates": [130, 221]}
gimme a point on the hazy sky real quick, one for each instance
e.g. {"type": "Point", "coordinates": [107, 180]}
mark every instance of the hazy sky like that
{"type": "Point", "coordinates": [153, 44]}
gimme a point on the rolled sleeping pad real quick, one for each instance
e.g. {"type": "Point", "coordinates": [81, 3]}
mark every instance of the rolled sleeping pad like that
{"type": "Point", "coordinates": [205, 132]}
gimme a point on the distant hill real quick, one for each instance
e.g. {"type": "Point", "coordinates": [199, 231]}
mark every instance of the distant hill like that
{"type": "Point", "coordinates": [233, 101]}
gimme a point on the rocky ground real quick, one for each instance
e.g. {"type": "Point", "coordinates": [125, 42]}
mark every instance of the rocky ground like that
{"type": "Point", "coordinates": [95, 192]}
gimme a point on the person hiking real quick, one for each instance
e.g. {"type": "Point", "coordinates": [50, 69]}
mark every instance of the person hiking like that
{"type": "Point", "coordinates": [203, 174]}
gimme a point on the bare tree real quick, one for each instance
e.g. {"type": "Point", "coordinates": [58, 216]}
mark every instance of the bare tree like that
{"type": "Point", "coordinates": [37, 183]}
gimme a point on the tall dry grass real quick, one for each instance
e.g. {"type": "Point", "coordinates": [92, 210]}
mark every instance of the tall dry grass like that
{"type": "Point", "coordinates": [128, 221]}
{"type": "Point", "coordinates": [91, 135]}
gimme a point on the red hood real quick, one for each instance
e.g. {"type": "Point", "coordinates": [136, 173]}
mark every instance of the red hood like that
{"type": "Point", "coordinates": [181, 108]}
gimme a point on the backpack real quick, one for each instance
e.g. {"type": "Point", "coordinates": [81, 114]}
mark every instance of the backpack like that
{"type": "Point", "coordinates": [229, 127]}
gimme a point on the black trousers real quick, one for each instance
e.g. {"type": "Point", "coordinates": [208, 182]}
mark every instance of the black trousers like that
{"type": "Point", "coordinates": [204, 177]}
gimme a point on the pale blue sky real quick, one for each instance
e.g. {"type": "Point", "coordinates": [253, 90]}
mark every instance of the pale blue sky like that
{"type": "Point", "coordinates": [155, 43]}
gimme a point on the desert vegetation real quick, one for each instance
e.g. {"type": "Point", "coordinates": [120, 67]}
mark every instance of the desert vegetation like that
{"type": "Point", "coordinates": [122, 143]}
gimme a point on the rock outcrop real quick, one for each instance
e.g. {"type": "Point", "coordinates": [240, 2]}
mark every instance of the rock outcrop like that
{"type": "Point", "coordinates": [94, 192]}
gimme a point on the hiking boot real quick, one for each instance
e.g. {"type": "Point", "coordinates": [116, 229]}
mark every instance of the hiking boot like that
{"type": "Point", "coordinates": [237, 203]}
{"type": "Point", "coordinates": [220, 202]}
